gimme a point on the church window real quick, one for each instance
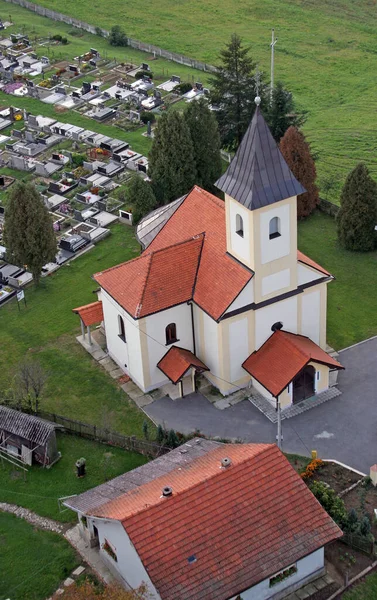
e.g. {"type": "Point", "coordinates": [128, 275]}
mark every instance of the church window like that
{"type": "Point", "coordinates": [122, 332]}
{"type": "Point", "coordinates": [171, 333]}
{"type": "Point", "coordinates": [239, 225]}
{"type": "Point", "coordinates": [274, 228]}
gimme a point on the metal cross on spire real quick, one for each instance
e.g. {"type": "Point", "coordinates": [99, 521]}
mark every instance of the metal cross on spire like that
{"type": "Point", "coordinates": [257, 78]}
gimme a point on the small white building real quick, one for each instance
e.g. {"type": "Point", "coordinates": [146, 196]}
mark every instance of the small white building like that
{"type": "Point", "coordinates": [225, 282]}
{"type": "Point", "coordinates": [209, 521]}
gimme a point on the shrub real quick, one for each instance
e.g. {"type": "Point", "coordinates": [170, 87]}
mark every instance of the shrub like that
{"type": "Point", "coordinates": [184, 87]}
{"type": "Point", "coordinates": [64, 41]}
{"type": "Point", "coordinates": [141, 74]}
{"type": "Point", "coordinates": [365, 526]}
{"type": "Point", "coordinates": [160, 436]}
{"type": "Point", "coordinates": [117, 36]}
{"type": "Point", "coordinates": [312, 467]}
{"type": "Point", "coordinates": [78, 160]}
{"type": "Point", "coordinates": [332, 504]}
{"type": "Point", "coordinates": [57, 37]}
{"type": "Point", "coordinates": [147, 116]}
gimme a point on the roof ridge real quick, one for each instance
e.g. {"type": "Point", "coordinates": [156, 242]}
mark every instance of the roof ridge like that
{"type": "Point", "coordinates": [265, 447]}
{"type": "Point", "coordinates": [214, 199]}
{"type": "Point", "coordinates": [290, 340]}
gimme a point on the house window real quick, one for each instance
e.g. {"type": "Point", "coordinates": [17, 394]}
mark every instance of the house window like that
{"type": "Point", "coordinates": [110, 551]}
{"type": "Point", "coordinates": [239, 225]}
{"type": "Point", "coordinates": [274, 228]}
{"type": "Point", "coordinates": [283, 575]}
{"type": "Point", "coordinates": [171, 334]}
{"type": "Point", "coordinates": [122, 332]}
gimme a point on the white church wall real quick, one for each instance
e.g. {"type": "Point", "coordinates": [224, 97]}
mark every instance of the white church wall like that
{"type": "Point", "coordinates": [211, 344]}
{"type": "Point", "coordinates": [280, 246]}
{"type": "Point", "coordinates": [128, 564]}
{"type": "Point", "coordinates": [306, 568]}
{"type": "Point", "coordinates": [238, 348]}
{"type": "Point", "coordinates": [123, 353]}
{"type": "Point", "coordinates": [245, 298]}
{"type": "Point", "coordinates": [306, 274]}
{"type": "Point", "coordinates": [154, 327]}
{"type": "Point", "coordinates": [284, 311]}
{"type": "Point", "coordinates": [311, 315]}
{"type": "Point", "coordinates": [276, 281]}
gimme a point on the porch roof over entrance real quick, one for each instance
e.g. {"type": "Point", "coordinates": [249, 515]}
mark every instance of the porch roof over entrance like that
{"type": "Point", "coordinates": [282, 357]}
{"type": "Point", "coordinates": [90, 314]}
{"type": "Point", "coordinates": [177, 361]}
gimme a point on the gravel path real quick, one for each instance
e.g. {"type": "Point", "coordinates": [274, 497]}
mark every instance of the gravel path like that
{"type": "Point", "coordinates": [33, 518]}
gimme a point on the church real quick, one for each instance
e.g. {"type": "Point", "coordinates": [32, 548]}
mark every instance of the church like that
{"type": "Point", "coordinates": [220, 288]}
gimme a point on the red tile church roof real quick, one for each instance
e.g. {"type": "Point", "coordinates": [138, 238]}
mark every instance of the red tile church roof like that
{"type": "Point", "coordinates": [186, 260]}
{"type": "Point", "coordinates": [223, 529]}
{"type": "Point", "coordinates": [90, 314]}
{"type": "Point", "coordinates": [282, 357]}
{"type": "Point", "coordinates": [177, 361]}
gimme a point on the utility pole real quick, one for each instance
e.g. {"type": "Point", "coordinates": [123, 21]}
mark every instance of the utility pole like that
{"type": "Point", "coordinates": [272, 45]}
{"type": "Point", "coordinates": [279, 436]}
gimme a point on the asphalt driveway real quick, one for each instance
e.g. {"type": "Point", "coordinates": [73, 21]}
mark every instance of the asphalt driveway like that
{"type": "Point", "coordinates": [344, 428]}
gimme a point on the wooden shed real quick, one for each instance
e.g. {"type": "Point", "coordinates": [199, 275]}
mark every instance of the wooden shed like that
{"type": "Point", "coordinates": [28, 438]}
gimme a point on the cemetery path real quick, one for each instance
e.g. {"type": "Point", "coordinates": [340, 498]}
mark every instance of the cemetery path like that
{"type": "Point", "coordinates": [32, 518]}
{"type": "Point", "coordinates": [343, 429]}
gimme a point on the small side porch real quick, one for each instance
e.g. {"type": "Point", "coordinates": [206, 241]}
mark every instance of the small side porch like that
{"type": "Point", "coordinates": [180, 366]}
{"type": "Point", "coordinates": [90, 314]}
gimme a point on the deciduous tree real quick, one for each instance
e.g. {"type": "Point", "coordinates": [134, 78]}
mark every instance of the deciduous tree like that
{"type": "Point", "coordinates": [357, 217]}
{"type": "Point", "coordinates": [117, 36]}
{"type": "Point", "coordinates": [28, 231]}
{"type": "Point", "coordinates": [296, 152]}
{"type": "Point", "coordinates": [171, 159]}
{"type": "Point", "coordinates": [141, 197]}
{"type": "Point", "coordinates": [206, 143]}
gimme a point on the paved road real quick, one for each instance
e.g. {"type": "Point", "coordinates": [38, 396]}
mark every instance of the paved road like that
{"type": "Point", "coordinates": [344, 428]}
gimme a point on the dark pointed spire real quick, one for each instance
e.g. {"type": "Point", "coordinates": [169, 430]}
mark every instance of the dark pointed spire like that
{"type": "Point", "coordinates": [258, 174]}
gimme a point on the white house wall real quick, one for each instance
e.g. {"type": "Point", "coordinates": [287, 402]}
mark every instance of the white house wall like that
{"type": "Point", "coordinates": [128, 565]}
{"type": "Point", "coordinates": [306, 567]}
{"type": "Point", "coordinates": [284, 311]}
{"type": "Point", "coordinates": [276, 281]}
{"type": "Point", "coordinates": [311, 315]}
{"type": "Point", "coordinates": [123, 353]}
{"type": "Point", "coordinates": [238, 348]}
{"type": "Point", "coordinates": [245, 298]}
{"type": "Point", "coordinates": [306, 274]}
{"type": "Point", "coordinates": [154, 327]}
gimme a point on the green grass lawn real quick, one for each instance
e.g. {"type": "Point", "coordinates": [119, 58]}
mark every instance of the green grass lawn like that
{"type": "Point", "coordinates": [46, 329]}
{"type": "Point", "coordinates": [40, 488]}
{"type": "Point", "coordinates": [33, 562]}
{"type": "Point", "coordinates": [326, 54]}
{"type": "Point", "coordinates": [351, 314]}
{"type": "Point", "coordinates": [367, 590]}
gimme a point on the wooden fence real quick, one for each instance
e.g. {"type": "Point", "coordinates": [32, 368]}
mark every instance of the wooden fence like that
{"type": "Point", "coordinates": [359, 542]}
{"type": "Point", "coordinates": [155, 50]}
{"type": "Point", "coordinates": [103, 435]}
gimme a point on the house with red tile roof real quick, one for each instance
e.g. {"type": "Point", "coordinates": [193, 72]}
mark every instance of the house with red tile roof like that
{"type": "Point", "coordinates": [209, 521]}
{"type": "Point", "coordinates": [220, 288]}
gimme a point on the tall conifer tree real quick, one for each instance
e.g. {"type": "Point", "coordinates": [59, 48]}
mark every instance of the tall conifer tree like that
{"type": "Point", "coordinates": [206, 143]}
{"type": "Point", "coordinates": [296, 152]}
{"type": "Point", "coordinates": [281, 113]}
{"type": "Point", "coordinates": [28, 230]}
{"type": "Point", "coordinates": [171, 159]}
{"type": "Point", "coordinates": [142, 198]}
{"type": "Point", "coordinates": [357, 217]}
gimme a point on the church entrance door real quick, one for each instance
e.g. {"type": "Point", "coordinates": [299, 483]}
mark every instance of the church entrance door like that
{"type": "Point", "coordinates": [303, 384]}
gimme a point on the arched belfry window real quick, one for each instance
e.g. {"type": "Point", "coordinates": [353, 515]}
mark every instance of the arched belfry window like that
{"type": "Point", "coordinates": [239, 225]}
{"type": "Point", "coordinates": [122, 332]}
{"type": "Point", "coordinates": [274, 228]}
{"type": "Point", "coordinates": [171, 333]}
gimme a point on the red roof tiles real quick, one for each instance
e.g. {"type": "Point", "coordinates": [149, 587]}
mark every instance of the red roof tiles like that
{"type": "Point", "coordinates": [177, 361]}
{"type": "Point", "coordinates": [90, 314]}
{"type": "Point", "coordinates": [242, 523]}
{"type": "Point", "coordinates": [282, 357]}
{"type": "Point", "coordinates": [176, 268]}
{"type": "Point", "coordinates": [301, 257]}
{"type": "Point", "coordinates": [155, 280]}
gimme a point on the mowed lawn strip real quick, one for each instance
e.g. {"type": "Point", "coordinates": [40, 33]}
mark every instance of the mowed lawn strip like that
{"type": "Point", "coordinates": [33, 562]}
{"type": "Point", "coordinates": [351, 307]}
{"type": "Point", "coordinates": [46, 330]}
{"type": "Point", "coordinates": [39, 489]}
{"type": "Point", "coordinates": [364, 591]}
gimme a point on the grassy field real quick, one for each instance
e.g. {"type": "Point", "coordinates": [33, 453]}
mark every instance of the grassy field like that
{"type": "Point", "coordinates": [326, 54]}
{"type": "Point", "coordinates": [364, 591]}
{"type": "Point", "coordinates": [40, 489]}
{"type": "Point", "coordinates": [33, 562]}
{"type": "Point", "coordinates": [46, 330]}
{"type": "Point", "coordinates": [351, 310]}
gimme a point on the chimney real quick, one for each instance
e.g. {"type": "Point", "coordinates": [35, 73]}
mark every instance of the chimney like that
{"type": "Point", "coordinates": [225, 462]}
{"type": "Point", "coordinates": [167, 491]}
